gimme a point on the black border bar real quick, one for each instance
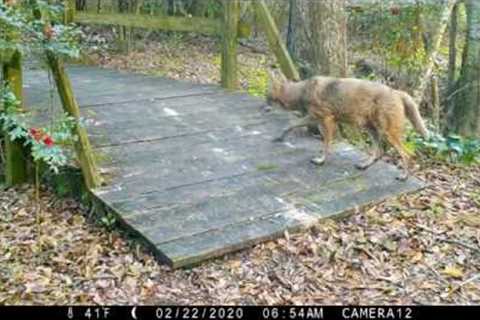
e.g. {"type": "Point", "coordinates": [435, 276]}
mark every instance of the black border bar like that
{"type": "Point", "coordinates": [238, 312]}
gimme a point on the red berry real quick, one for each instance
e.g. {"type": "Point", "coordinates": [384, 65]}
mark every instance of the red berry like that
{"type": "Point", "coordinates": [36, 134]}
{"type": "Point", "coordinates": [48, 141]}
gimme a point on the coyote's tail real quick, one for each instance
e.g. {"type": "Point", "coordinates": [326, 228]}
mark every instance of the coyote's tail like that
{"type": "Point", "coordinates": [412, 113]}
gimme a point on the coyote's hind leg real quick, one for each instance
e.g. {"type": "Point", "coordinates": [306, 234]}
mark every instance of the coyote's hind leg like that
{"type": "Point", "coordinates": [304, 122]}
{"type": "Point", "coordinates": [377, 150]}
{"type": "Point", "coordinates": [396, 142]}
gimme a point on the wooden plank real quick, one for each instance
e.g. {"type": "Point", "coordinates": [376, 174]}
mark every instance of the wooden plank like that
{"type": "Point", "coordinates": [131, 125]}
{"type": "Point", "coordinates": [231, 16]}
{"type": "Point", "coordinates": [178, 107]}
{"type": "Point", "coordinates": [105, 135]}
{"type": "Point", "coordinates": [140, 120]}
{"type": "Point", "coordinates": [97, 87]}
{"type": "Point", "coordinates": [262, 195]}
{"type": "Point", "coordinates": [198, 168]}
{"type": "Point", "coordinates": [259, 134]}
{"type": "Point", "coordinates": [168, 23]}
{"type": "Point", "coordinates": [275, 41]}
{"type": "Point", "coordinates": [296, 215]}
{"type": "Point", "coordinates": [139, 183]}
{"type": "Point", "coordinates": [15, 154]}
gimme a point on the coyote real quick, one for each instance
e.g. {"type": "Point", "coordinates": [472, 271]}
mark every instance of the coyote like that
{"type": "Point", "coordinates": [375, 107]}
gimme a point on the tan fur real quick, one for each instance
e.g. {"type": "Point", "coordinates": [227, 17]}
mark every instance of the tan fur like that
{"type": "Point", "coordinates": [373, 106]}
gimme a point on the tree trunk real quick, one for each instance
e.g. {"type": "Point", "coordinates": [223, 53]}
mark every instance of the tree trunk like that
{"type": "Point", "coordinates": [328, 25]}
{"type": "Point", "coordinates": [452, 65]}
{"type": "Point", "coordinates": [466, 113]}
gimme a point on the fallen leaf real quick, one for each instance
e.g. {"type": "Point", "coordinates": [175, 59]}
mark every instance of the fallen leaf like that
{"type": "Point", "coordinates": [453, 272]}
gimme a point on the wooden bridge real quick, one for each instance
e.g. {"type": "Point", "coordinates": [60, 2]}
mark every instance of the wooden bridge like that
{"type": "Point", "coordinates": [193, 169]}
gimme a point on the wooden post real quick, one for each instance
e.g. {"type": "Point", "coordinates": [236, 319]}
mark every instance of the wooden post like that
{"type": "Point", "coordinates": [69, 13]}
{"type": "Point", "coordinates": [275, 41]}
{"type": "Point", "coordinates": [231, 16]}
{"type": "Point", "coordinates": [82, 146]}
{"type": "Point", "coordinates": [15, 154]}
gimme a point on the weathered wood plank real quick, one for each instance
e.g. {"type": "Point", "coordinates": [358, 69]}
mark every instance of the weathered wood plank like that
{"type": "Point", "coordinates": [293, 164]}
{"type": "Point", "coordinates": [168, 141]}
{"type": "Point", "coordinates": [97, 87]}
{"type": "Point", "coordinates": [175, 121]}
{"type": "Point", "coordinates": [167, 23]}
{"type": "Point", "coordinates": [199, 168]}
{"type": "Point", "coordinates": [205, 26]}
{"type": "Point", "coordinates": [264, 195]}
{"type": "Point", "coordinates": [296, 214]}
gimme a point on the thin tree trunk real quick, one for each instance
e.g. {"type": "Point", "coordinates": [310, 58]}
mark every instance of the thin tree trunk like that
{"type": "Point", "coordinates": [435, 104]}
{"type": "Point", "coordinates": [452, 63]}
{"type": "Point", "coordinates": [466, 114]}
{"type": "Point", "coordinates": [425, 76]}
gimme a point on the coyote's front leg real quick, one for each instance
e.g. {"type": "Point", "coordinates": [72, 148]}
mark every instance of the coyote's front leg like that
{"type": "Point", "coordinates": [329, 127]}
{"type": "Point", "coordinates": [304, 122]}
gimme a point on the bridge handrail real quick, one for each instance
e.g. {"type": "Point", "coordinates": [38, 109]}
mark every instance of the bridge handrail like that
{"type": "Point", "coordinates": [230, 28]}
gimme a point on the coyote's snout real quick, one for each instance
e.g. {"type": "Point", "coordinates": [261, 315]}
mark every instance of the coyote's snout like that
{"type": "Point", "coordinates": [378, 108]}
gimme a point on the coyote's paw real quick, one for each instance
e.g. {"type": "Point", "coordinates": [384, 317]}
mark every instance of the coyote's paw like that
{"type": "Point", "coordinates": [318, 160]}
{"type": "Point", "coordinates": [364, 165]}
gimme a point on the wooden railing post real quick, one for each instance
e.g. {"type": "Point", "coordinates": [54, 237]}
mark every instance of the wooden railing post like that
{"type": "Point", "coordinates": [82, 146]}
{"type": "Point", "coordinates": [229, 67]}
{"type": "Point", "coordinates": [275, 42]}
{"type": "Point", "coordinates": [69, 13]}
{"type": "Point", "coordinates": [15, 154]}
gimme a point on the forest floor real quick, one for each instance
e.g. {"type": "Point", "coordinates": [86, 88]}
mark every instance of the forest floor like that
{"type": "Point", "coordinates": [423, 248]}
